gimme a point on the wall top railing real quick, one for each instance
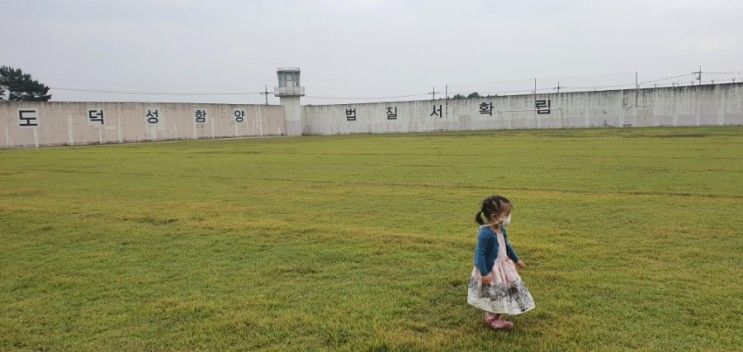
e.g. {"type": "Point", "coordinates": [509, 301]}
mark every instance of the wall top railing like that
{"type": "Point", "coordinates": [288, 91]}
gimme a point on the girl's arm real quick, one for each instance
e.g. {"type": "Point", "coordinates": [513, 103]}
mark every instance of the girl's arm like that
{"type": "Point", "coordinates": [511, 253]}
{"type": "Point", "coordinates": [509, 250]}
{"type": "Point", "coordinates": [482, 244]}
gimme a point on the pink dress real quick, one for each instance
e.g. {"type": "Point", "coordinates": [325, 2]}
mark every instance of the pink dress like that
{"type": "Point", "coordinates": [508, 294]}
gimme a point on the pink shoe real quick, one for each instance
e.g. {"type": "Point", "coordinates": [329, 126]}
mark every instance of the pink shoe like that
{"type": "Point", "coordinates": [497, 323]}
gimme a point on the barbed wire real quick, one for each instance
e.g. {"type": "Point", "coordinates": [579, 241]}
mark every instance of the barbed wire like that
{"type": "Point", "coordinates": [555, 85]}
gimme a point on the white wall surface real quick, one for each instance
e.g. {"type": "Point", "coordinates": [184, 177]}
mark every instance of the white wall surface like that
{"type": "Point", "coordinates": [714, 104]}
{"type": "Point", "coordinates": [60, 123]}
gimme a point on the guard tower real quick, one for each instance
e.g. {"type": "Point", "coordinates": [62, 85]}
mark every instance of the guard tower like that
{"type": "Point", "coordinates": [289, 92]}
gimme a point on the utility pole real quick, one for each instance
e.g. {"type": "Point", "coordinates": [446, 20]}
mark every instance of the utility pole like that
{"type": "Point", "coordinates": [558, 88]}
{"type": "Point", "coordinates": [637, 83]}
{"type": "Point", "coordinates": [433, 93]}
{"type": "Point", "coordinates": [265, 92]}
{"type": "Point", "coordinates": [637, 90]}
{"type": "Point", "coordinates": [534, 104]}
{"type": "Point", "coordinates": [699, 75]}
{"type": "Point", "coordinates": [446, 99]}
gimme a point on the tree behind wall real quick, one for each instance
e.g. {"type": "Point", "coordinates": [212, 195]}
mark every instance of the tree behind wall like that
{"type": "Point", "coordinates": [20, 86]}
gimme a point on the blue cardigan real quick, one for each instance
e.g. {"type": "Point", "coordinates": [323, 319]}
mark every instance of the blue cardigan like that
{"type": "Point", "coordinates": [487, 249]}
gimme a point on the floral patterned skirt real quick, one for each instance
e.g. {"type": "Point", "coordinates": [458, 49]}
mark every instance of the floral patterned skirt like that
{"type": "Point", "coordinates": [507, 295]}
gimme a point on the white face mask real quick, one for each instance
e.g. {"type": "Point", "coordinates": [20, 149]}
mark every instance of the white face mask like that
{"type": "Point", "coordinates": [507, 220]}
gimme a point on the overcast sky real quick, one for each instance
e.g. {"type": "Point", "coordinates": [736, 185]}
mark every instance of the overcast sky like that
{"type": "Point", "coordinates": [354, 48]}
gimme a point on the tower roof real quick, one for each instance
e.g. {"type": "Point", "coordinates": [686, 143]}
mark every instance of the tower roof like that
{"type": "Point", "coordinates": [288, 69]}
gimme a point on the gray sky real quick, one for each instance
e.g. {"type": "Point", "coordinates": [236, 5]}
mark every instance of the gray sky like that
{"type": "Point", "coordinates": [355, 48]}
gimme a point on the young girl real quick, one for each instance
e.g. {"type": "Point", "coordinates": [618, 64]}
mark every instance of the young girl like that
{"type": "Point", "coordinates": [495, 286]}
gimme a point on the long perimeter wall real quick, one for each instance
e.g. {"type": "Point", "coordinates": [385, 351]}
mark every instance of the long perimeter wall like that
{"type": "Point", "coordinates": [60, 123]}
{"type": "Point", "coordinates": [714, 104]}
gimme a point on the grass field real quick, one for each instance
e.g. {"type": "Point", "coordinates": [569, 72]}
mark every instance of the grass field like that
{"type": "Point", "coordinates": [632, 238]}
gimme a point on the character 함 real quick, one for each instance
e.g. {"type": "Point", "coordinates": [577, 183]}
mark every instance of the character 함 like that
{"type": "Point", "coordinates": [200, 115]}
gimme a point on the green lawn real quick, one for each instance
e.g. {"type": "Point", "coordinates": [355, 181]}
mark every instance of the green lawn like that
{"type": "Point", "coordinates": [633, 240]}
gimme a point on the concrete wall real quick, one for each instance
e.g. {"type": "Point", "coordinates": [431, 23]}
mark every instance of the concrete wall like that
{"type": "Point", "coordinates": [45, 124]}
{"type": "Point", "coordinates": [714, 104]}
{"type": "Point", "coordinates": [70, 123]}
{"type": "Point", "coordinates": [292, 115]}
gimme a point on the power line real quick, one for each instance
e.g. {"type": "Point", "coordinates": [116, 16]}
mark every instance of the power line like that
{"type": "Point", "coordinates": [370, 98]}
{"type": "Point", "coordinates": [87, 90]}
{"type": "Point", "coordinates": [140, 84]}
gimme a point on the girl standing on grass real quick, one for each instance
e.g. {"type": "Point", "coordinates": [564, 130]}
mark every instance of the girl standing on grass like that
{"type": "Point", "coordinates": [495, 286]}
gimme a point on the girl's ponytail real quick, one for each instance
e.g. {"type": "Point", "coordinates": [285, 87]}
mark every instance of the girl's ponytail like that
{"type": "Point", "coordinates": [478, 218]}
